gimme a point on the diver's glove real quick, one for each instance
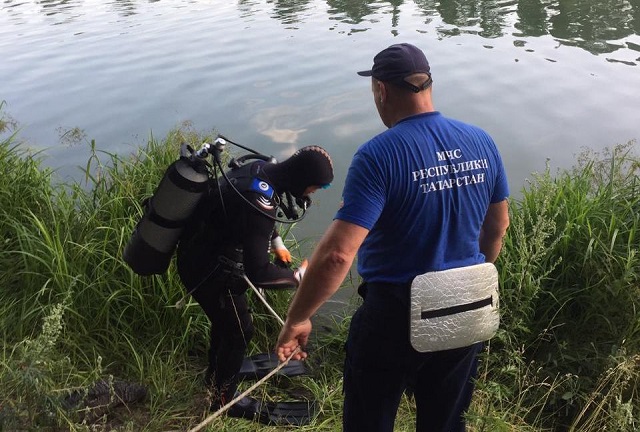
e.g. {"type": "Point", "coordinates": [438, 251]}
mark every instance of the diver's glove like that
{"type": "Point", "coordinates": [280, 250]}
{"type": "Point", "coordinates": [299, 272]}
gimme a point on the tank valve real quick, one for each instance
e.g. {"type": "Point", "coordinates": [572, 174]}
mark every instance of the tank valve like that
{"type": "Point", "coordinates": [204, 151]}
{"type": "Point", "coordinates": [218, 146]}
{"type": "Point", "coordinates": [216, 149]}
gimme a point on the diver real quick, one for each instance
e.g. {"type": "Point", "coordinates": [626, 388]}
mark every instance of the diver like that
{"type": "Point", "coordinates": [230, 235]}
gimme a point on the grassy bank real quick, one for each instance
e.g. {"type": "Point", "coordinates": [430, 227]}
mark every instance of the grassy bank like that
{"type": "Point", "coordinates": [72, 313]}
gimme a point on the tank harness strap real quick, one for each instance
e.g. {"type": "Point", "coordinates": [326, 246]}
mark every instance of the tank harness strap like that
{"type": "Point", "coordinates": [161, 221]}
{"type": "Point", "coordinates": [235, 269]}
{"type": "Point", "coordinates": [247, 178]}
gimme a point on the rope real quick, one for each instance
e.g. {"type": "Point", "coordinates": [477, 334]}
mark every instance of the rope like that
{"type": "Point", "coordinates": [261, 297]}
{"type": "Point", "coordinates": [235, 400]}
{"type": "Point", "coordinates": [243, 394]}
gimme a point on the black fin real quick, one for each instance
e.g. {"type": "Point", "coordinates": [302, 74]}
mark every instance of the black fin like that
{"type": "Point", "coordinates": [259, 365]}
{"type": "Point", "coordinates": [289, 413]}
{"type": "Point", "coordinates": [246, 408]}
{"type": "Point", "coordinates": [295, 413]}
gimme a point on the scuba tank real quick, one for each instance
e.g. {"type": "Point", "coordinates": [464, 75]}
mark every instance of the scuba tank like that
{"type": "Point", "coordinates": [156, 235]}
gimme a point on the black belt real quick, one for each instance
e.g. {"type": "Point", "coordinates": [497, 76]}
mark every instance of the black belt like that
{"type": "Point", "coordinates": [232, 267]}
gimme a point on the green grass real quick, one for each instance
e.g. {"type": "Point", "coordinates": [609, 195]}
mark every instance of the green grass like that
{"type": "Point", "coordinates": [565, 359]}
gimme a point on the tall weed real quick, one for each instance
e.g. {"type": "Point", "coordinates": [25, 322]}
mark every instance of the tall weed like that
{"type": "Point", "coordinates": [570, 300]}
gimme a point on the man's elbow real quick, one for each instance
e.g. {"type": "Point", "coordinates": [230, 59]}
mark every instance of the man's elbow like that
{"type": "Point", "coordinates": [497, 222]}
{"type": "Point", "coordinates": [337, 258]}
{"type": "Point", "coordinates": [493, 237]}
{"type": "Point", "coordinates": [500, 230]}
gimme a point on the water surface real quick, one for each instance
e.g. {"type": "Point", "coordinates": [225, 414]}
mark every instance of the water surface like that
{"type": "Point", "coordinates": [545, 78]}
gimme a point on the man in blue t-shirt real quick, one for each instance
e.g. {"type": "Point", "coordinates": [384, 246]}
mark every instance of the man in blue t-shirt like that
{"type": "Point", "coordinates": [429, 194]}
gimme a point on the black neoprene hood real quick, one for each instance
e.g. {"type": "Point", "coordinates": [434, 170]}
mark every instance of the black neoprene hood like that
{"type": "Point", "coordinates": [309, 166]}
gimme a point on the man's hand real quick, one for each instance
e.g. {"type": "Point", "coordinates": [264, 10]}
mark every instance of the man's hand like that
{"type": "Point", "coordinates": [291, 337]}
{"type": "Point", "coordinates": [299, 272]}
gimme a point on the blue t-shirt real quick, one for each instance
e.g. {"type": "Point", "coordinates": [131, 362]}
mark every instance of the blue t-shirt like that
{"type": "Point", "coordinates": [422, 188]}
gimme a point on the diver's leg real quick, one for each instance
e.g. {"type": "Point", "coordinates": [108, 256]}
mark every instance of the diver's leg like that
{"type": "Point", "coordinates": [209, 295]}
{"type": "Point", "coordinates": [234, 331]}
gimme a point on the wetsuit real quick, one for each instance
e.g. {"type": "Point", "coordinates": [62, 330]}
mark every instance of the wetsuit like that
{"type": "Point", "coordinates": [226, 239]}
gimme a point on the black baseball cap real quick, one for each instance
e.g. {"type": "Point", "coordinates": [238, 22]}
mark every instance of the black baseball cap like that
{"type": "Point", "coordinates": [397, 62]}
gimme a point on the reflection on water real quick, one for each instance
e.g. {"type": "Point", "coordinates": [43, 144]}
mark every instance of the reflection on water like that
{"type": "Point", "coordinates": [597, 26]}
{"type": "Point", "coordinates": [290, 12]}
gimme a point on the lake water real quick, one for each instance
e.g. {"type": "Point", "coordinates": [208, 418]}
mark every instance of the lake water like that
{"type": "Point", "coordinates": [545, 78]}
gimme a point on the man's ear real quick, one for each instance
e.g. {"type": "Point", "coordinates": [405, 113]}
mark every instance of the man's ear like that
{"type": "Point", "coordinates": [382, 91]}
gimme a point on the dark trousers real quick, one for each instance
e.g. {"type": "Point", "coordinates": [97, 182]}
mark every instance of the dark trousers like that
{"type": "Point", "coordinates": [223, 299]}
{"type": "Point", "coordinates": [381, 364]}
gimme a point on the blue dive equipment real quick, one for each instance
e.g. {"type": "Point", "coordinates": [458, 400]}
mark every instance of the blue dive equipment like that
{"type": "Point", "coordinates": [294, 210]}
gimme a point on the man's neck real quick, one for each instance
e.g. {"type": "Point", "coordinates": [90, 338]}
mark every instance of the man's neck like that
{"type": "Point", "coordinates": [411, 110]}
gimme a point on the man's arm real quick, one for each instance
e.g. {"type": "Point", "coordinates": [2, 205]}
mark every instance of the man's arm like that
{"type": "Point", "coordinates": [256, 235]}
{"type": "Point", "coordinates": [494, 229]}
{"type": "Point", "coordinates": [328, 266]}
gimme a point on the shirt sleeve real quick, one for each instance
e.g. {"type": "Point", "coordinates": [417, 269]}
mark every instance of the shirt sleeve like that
{"type": "Point", "coordinates": [501, 189]}
{"type": "Point", "coordinates": [364, 193]}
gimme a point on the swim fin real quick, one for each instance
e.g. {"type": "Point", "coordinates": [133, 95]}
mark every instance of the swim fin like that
{"type": "Point", "coordinates": [259, 365]}
{"type": "Point", "coordinates": [246, 408]}
{"type": "Point", "coordinates": [295, 413]}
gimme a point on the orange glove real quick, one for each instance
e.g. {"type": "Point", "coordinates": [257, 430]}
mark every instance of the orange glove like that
{"type": "Point", "coordinates": [280, 250]}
